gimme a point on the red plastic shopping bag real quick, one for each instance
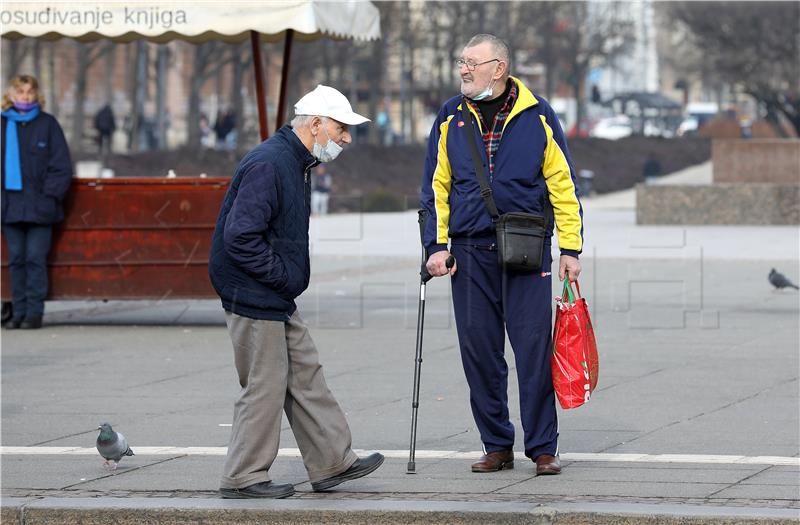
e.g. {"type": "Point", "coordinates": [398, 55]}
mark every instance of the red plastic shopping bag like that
{"type": "Point", "coordinates": [574, 361]}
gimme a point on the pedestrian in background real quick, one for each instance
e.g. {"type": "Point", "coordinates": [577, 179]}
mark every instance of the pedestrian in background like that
{"type": "Point", "coordinates": [259, 264]}
{"type": "Point", "coordinates": [36, 175]}
{"type": "Point", "coordinates": [522, 147]}
{"type": "Point", "coordinates": [321, 183]}
{"type": "Point", "coordinates": [207, 135]}
{"type": "Point", "coordinates": [652, 168]}
{"type": "Point", "coordinates": [225, 129]}
{"type": "Point", "coordinates": [105, 125]}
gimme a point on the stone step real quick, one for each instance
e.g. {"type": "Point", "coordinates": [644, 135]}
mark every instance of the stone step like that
{"type": "Point", "coordinates": [123, 511]}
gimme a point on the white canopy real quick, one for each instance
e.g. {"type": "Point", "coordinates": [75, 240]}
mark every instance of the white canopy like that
{"type": "Point", "coordinates": [192, 21]}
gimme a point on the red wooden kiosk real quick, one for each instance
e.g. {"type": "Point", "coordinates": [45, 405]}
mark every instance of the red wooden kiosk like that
{"type": "Point", "coordinates": [133, 238]}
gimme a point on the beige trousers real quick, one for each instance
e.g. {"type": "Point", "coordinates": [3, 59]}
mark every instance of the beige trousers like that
{"type": "Point", "coordinates": [279, 371]}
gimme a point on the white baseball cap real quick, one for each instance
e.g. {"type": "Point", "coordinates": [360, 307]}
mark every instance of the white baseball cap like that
{"type": "Point", "coordinates": [325, 101]}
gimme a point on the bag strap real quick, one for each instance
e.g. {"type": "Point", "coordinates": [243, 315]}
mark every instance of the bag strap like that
{"type": "Point", "coordinates": [486, 190]}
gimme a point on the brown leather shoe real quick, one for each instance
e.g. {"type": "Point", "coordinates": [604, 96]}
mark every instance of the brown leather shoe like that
{"type": "Point", "coordinates": [494, 461]}
{"type": "Point", "coordinates": [547, 464]}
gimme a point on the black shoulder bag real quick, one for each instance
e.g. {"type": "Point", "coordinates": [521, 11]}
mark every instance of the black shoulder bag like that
{"type": "Point", "coordinates": [520, 236]}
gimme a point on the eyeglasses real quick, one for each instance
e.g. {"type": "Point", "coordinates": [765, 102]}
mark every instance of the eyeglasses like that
{"type": "Point", "coordinates": [472, 65]}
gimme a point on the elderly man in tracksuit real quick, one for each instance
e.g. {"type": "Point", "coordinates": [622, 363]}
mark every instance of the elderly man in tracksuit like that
{"type": "Point", "coordinates": [528, 163]}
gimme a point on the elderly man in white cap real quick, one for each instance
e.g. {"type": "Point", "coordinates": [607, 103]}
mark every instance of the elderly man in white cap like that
{"type": "Point", "coordinates": [259, 264]}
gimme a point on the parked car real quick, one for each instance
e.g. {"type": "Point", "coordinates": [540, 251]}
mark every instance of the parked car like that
{"type": "Point", "coordinates": [697, 114]}
{"type": "Point", "coordinates": [612, 128]}
{"type": "Point", "coordinates": [581, 131]}
{"type": "Point", "coordinates": [658, 129]}
{"type": "Point", "coordinates": [689, 126]}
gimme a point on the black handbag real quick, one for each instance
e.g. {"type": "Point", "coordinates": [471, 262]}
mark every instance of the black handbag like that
{"type": "Point", "coordinates": [520, 236]}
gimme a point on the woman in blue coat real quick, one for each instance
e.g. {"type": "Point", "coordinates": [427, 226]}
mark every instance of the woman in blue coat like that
{"type": "Point", "coordinates": [36, 175]}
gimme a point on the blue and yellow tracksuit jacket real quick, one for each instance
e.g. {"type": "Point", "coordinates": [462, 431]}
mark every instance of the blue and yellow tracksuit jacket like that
{"type": "Point", "coordinates": [532, 164]}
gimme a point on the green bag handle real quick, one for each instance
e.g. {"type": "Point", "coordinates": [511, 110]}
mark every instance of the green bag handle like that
{"type": "Point", "coordinates": [568, 295]}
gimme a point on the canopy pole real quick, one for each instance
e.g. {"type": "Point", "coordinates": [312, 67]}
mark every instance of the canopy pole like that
{"type": "Point", "coordinates": [255, 44]}
{"type": "Point", "coordinates": [287, 53]}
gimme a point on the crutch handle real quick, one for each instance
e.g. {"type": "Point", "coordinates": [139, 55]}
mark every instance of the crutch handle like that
{"type": "Point", "coordinates": [426, 276]}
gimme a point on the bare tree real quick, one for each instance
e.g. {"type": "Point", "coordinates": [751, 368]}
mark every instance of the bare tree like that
{"type": "Point", "coordinates": [591, 33]}
{"type": "Point", "coordinates": [751, 46]}
{"type": "Point", "coordinates": [162, 61]}
{"type": "Point", "coordinates": [533, 36]}
{"type": "Point", "coordinates": [86, 55]}
{"type": "Point", "coordinates": [305, 62]}
{"type": "Point", "coordinates": [443, 57]}
{"type": "Point", "coordinates": [410, 48]}
{"type": "Point", "coordinates": [326, 61]}
{"type": "Point", "coordinates": [51, 70]}
{"type": "Point", "coordinates": [416, 34]}
{"type": "Point", "coordinates": [37, 59]}
{"type": "Point", "coordinates": [405, 47]}
{"type": "Point", "coordinates": [241, 58]}
{"type": "Point", "coordinates": [449, 26]}
{"type": "Point", "coordinates": [15, 52]}
{"type": "Point", "coordinates": [138, 83]}
{"type": "Point", "coordinates": [219, 81]}
{"type": "Point", "coordinates": [109, 80]}
{"type": "Point", "coordinates": [375, 67]}
{"type": "Point", "coordinates": [208, 58]}
{"type": "Point", "coordinates": [131, 51]}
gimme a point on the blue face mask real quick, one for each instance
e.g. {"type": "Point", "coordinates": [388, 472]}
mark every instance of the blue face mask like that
{"type": "Point", "coordinates": [486, 92]}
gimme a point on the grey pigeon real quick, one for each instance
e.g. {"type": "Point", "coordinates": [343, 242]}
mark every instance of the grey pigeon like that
{"type": "Point", "coordinates": [779, 281]}
{"type": "Point", "coordinates": [112, 446]}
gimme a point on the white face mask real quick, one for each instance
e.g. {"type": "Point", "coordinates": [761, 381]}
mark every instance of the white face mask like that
{"type": "Point", "coordinates": [486, 92]}
{"type": "Point", "coordinates": [328, 152]}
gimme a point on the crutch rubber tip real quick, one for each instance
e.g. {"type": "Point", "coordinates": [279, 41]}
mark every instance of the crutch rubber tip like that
{"type": "Point", "coordinates": [411, 468]}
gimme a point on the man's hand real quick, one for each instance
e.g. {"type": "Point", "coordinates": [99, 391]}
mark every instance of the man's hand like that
{"type": "Point", "coordinates": [436, 264]}
{"type": "Point", "coordinates": [569, 266]}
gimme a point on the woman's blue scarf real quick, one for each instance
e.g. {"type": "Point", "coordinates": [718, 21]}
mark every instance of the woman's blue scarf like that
{"type": "Point", "coordinates": [12, 165]}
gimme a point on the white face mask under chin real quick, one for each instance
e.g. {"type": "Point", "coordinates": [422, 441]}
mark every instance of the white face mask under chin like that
{"type": "Point", "coordinates": [328, 152]}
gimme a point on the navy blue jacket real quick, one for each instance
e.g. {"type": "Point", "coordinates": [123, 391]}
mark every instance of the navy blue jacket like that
{"type": "Point", "coordinates": [259, 261]}
{"type": "Point", "coordinates": [46, 172]}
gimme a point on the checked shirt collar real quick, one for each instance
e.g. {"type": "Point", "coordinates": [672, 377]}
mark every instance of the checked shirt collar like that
{"type": "Point", "coordinates": [493, 133]}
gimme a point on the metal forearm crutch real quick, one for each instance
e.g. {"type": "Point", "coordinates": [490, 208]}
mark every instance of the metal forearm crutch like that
{"type": "Point", "coordinates": [424, 278]}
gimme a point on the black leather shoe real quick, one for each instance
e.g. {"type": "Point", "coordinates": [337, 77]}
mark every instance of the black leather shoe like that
{"type": "Point", "coordinates": [265, 489]}
{"type": "Point", "coordinates": [361, 467]}
{"type": "Point", "coordinates": [31, 323]}
{"type": "Point", "coordinates": [12, 324]}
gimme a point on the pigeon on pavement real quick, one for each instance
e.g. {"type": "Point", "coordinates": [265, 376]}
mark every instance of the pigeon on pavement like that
{"type": "Point", "coordinates": [112, 446]}
{"type": "Point", "coordinates": [779, 281]}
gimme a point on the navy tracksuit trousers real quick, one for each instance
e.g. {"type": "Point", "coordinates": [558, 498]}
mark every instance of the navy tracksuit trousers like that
{"type": "Point", "coordinates": [487, 303]}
